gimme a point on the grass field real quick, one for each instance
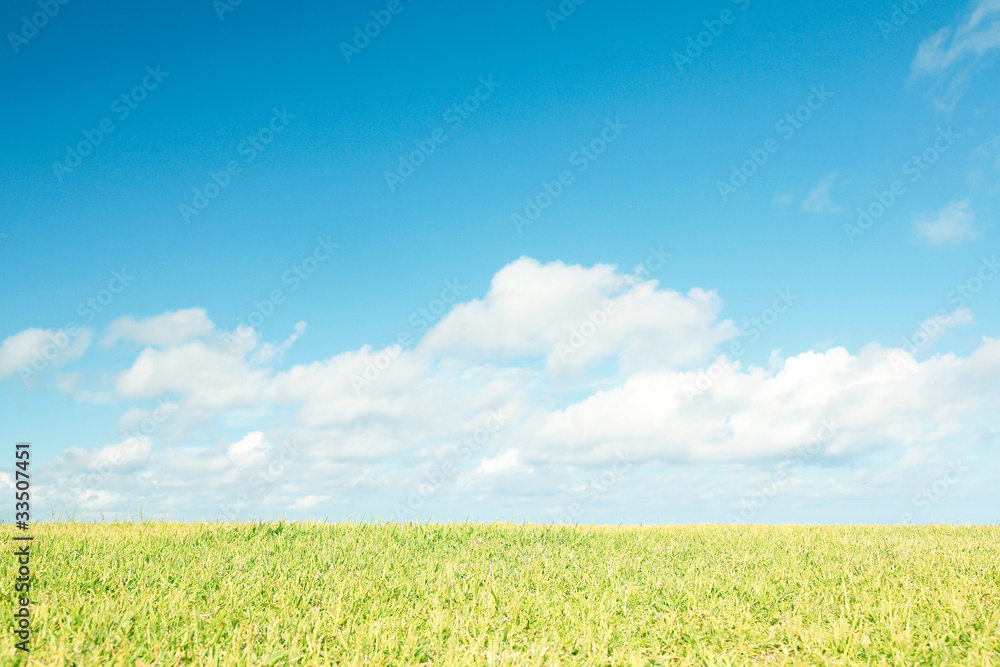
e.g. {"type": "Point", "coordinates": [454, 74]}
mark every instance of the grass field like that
{"type": "Point", "coordinates": [503, 594]}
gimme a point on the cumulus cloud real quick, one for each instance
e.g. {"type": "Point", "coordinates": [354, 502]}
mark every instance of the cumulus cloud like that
{"type": "Point", "coordinates": [873, 399]}
{"type": "Point", "coordinates": [160, 330]}
{"type": "Point", "coordinates": [951, 224]}
{"type": "Point", "coordinates": [252, 449]}
{"type": "Point", "coordinates": [369, 404]}
{"type": "Point", "coordinates": [572, 316]}
{"type": "Point", "coordinates": [209, 375]}
{"type": "Point", "coordinates": [33, 350]}
{"type": "Point", "coordinates": [485, 396]}
{"type": "Point", "coordinates": [506, 462]}
{"type": "Point", "coordinates": [124, 457]}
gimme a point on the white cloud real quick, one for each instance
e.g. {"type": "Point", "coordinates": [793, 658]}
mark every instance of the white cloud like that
{"type": "Point", "coordinates": [251, 450]}
{"type": "Point", "coordinates": [128, 455]}
{"type": "Point", "coordinates": [818, 200]}
{"type": "Point", "coordinates": [33, 350]}
{"type": "Point", "coordinates": [161, 330]}
{"type": "Point", "coordinates": [960, 317]}
{"type": "Point", "coordinates": [754, 413]}
{"type": "Point", "coordinates": [311, 437]}
{"type": "Point", "coordinates": [268, 353]}
{"type": "Point", "coordinates": [572, 316]}
{"type": "Point", "coordinates": [954, 52]}
{"type": "Point", "coordinates": [447, 385]}
{"type": "Point", "coordinates": [72, 385]}
{"type": "Point", "coordinates": [97, 500]}
{"type": "Point", "coordinates": [211, 376]}
{"type": "Point", "coordinates": [308, 502]}
{"type": "Point", "coordinates": [146, 421]}
{"type": "Point", "coordinates": [124, 457]}
{"type": "Point", "coordinates": [951, 224]}
{"type": "Point", "coordinates": [507, 462]}
{"type": "Point", "coordinates": [978, 35]}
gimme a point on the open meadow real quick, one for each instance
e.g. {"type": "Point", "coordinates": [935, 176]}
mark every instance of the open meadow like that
{"type": "Point", "coordinates": [506, 594]}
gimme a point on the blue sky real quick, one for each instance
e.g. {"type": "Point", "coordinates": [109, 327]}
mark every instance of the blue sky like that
{"type": "Point", "coordinates": [240, 208]}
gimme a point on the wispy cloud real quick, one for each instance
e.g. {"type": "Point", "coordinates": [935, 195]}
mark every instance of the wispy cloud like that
{"type": "Point", "coordinates": [953, 52]}
{"type": "Point", "coordinates": [818, 200]}
{"type": "Point", "coordinates": [951, 224]}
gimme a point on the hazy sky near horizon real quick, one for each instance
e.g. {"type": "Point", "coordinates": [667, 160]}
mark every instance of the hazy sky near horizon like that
{"type": "Point", "coordinates": [593, 262]}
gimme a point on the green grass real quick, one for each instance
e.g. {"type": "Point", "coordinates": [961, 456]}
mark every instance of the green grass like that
{"type": "Point", "coordinates": [502, 594]}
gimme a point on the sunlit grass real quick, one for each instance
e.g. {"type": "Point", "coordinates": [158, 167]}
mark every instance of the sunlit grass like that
{"type": "Point", "coordinates": [309, 594]}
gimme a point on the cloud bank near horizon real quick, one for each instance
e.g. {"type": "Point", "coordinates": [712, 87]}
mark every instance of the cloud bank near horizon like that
{"type": "Point", "coordinates": [556, 368]}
